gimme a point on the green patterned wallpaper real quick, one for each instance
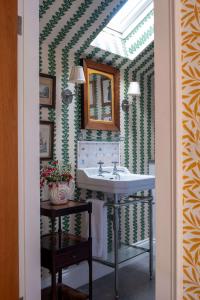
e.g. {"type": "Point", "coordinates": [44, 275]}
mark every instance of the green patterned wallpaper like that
{"type": "Point", "coordinates": [67, 28]}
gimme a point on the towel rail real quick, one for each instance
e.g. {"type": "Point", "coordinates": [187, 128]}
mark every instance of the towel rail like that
{"type": "Point", "coordinates": [126, 202]}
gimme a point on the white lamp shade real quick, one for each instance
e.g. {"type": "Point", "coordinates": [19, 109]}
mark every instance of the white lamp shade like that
{"type": "Point", "coordinates": [134, 88]}
{"type": "Point", "coordinates": [77, 75]}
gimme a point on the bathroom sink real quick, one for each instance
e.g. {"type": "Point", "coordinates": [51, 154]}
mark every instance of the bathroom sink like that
{"type": "Point", "coordinates": [123, 183]}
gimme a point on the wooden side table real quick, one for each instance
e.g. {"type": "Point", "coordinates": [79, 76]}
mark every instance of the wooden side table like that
{"type": "Point", "coordinates": [60, 249]}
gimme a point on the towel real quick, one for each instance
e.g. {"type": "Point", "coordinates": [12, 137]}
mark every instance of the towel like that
{"type": "Point", "coordinates": [99, 228]}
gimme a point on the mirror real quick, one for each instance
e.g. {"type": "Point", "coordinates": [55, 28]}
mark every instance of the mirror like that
{"type": "Point", "coordinates": [101, 96]}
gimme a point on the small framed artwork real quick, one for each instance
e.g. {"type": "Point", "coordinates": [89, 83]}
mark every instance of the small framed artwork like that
{"type": "Point", "coordinates": [46, 140]}
{"type": "Point", "coordinates": [47, 90]}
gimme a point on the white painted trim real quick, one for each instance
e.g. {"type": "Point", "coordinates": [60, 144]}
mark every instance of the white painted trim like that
{"type": "Point", "coordinates": [21, 203]}
{"type": "Point", "coordinates": [165, 119]}
{"type": "Point", "coordinates": [179, 169]}
{"type": "Point", "coordinates": [28, 139]}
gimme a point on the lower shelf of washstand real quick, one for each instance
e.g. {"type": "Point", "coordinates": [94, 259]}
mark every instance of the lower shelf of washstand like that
{"type": "Point", "coordinates": [125, 252]}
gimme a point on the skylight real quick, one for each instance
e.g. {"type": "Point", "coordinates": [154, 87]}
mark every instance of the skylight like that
{"type": "Point", "coordinates": [130, 31]}
{"type": "Point", "coordinates": [127, 15]}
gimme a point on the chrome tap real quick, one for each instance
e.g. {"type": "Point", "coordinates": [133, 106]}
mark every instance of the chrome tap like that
{"type": "Point", "coordinates": [115, 170]}
{"type": "Point", "coordinates": [101, 171]}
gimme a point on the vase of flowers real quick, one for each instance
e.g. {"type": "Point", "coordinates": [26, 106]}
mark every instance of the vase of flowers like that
{"type": "Point", "coordinates": [60, 182]}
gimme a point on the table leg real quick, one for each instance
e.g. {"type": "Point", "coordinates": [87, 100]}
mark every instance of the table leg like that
{"type": "Point", "coordinates": [53, 221]}
{"type": "Point", "coordinates": [60, 285]}
{"type": "Point", "coordinates": [53, 271]}
{"type": "Point", "coordinates": [53, 285]}
{"type": "Point", "coordinates": [60, 272]}
{"type": "Point", "coordinates": [90, 279]}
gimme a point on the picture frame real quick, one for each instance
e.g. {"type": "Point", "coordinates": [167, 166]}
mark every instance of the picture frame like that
{"type": "Point", "coordinates": [46, 140]}
{"type": "Point", "coordinates": [47, 90]}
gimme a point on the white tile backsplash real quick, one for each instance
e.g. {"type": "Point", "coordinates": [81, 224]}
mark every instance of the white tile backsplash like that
{"type": "Point", "coordinates": [90, 152]}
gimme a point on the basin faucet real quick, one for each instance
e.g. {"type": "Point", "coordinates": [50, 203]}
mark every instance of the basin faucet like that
{"type": "Point", "coordinates": [115, 170]}
{"type": "Point", "coordinates": [101, 171]}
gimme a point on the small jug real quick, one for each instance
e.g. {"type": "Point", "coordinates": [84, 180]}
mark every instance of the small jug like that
{"type": "Point", "coordinates": [61, 192]}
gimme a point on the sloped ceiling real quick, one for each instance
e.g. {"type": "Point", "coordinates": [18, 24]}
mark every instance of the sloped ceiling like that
{"type": "Point", "coordinates": [74, 22]}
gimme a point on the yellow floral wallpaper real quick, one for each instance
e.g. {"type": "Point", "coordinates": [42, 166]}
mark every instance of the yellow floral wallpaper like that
{"type": "Point", "coordinates": [190, 24]}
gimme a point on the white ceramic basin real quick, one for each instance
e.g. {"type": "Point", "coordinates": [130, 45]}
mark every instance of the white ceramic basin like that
{"type": "Point", "coordinates": [125, 183]}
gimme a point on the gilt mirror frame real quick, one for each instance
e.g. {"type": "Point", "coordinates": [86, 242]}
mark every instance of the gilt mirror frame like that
{"type": "Point", "coordinates": [112, 73]}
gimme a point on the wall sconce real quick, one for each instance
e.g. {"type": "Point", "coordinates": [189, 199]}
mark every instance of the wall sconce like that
{"type": "Point", "coordinates": [133, 90]}
{"type": "Point", "coordinates": [76, 76]}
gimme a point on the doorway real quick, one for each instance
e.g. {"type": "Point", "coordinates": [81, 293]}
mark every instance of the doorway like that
{"type": "Point", "coordinates": [30, 18]}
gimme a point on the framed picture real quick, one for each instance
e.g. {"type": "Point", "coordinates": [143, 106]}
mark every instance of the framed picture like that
{"type": "Point", "coordinates": [47, 90]}
{"type": "Point", "coordinates": [46, 140]}
{"type": "Point", "coordinates": [106, 91]}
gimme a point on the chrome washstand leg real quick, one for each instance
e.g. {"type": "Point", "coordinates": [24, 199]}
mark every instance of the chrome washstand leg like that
{"type": "Point", "coordinates": [116, 245]}
{"type": "Point", "coordinates": [151, 236]}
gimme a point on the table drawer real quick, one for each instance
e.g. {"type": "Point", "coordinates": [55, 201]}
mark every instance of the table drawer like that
{"type": "Point", "coordinates": [71, 257]}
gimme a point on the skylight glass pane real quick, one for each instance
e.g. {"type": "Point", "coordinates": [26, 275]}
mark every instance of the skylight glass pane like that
{"type": "Point", "coordinates": [127, 14]}
{"type": "Point", "coordinates": [122, 36]}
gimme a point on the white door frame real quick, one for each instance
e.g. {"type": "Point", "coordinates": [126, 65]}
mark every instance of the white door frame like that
{"type": "Point", "coordinates": [168, 141]}
{"type": "Point", "coordinates": [166, 138]}
{"type": "Point", "coordinates": [28, 137]}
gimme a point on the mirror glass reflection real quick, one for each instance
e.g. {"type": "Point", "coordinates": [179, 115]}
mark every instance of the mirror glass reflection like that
{"type": "Point", "coordinates": [100, 96]}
